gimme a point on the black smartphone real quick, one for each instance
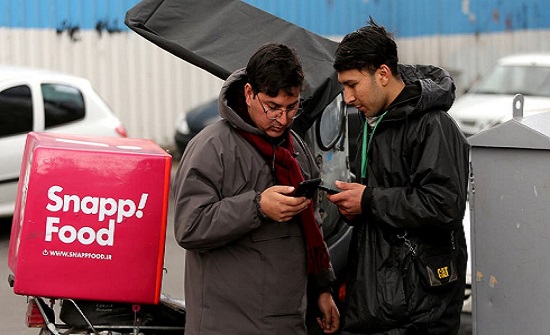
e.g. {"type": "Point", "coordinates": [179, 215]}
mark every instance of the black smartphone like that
{"type": "Point", "coordinates": [328, 189]}
{"type": "Point", "coordinates": [307, 188]}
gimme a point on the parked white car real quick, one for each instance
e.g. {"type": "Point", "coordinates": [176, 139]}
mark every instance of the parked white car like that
{"type": "Point", "coordinates": [42, 100]}
{"type": "Point", "coordinates": [490, 101]}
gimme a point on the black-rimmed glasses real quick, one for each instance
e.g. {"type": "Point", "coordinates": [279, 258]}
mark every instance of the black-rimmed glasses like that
{"type": "Point", "coordinates": [275, 113]}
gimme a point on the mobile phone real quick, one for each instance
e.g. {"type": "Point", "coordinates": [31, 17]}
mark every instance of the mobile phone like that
{"type": "Point", "coordinates": [307, 188]}
{"type": "Point", "coordinates": [328, 189]}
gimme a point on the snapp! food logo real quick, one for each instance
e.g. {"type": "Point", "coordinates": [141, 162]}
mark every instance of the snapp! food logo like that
{"type": "Point", "coordinates": [113, 210]}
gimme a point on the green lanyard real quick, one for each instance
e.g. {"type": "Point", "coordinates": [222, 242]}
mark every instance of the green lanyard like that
{"type": "Point", "coordinates": [366, 145]}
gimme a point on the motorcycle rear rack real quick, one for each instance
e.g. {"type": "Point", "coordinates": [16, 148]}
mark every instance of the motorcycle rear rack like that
{"type": "Point", "coordinates": [54, 328]}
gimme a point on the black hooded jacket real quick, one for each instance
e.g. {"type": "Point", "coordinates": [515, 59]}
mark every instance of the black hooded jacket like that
{"type": "Point", "coordinates": [417, 181]}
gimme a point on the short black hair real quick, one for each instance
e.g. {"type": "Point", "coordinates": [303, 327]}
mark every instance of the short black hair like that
{"type": "Point", "coordinates": [275, 67]}
{"type": "Point", "coordinates": [367, 49]}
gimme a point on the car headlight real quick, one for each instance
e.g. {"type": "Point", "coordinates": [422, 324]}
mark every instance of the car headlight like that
{"type": "Point", "coordinates": [181, 126]}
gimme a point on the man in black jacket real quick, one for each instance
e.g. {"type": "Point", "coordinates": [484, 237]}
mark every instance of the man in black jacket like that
{"type": "Point", "coordinates": [407, 259]}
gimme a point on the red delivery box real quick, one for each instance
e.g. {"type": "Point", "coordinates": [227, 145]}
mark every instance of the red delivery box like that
{"type": "Point", "coordinates": [90, 218]}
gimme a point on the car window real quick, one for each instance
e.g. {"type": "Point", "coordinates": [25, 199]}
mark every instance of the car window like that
{"type": "Point", "coordinates": [537, 81]}
{"type": "Point", "coordinates": [62, 104]}
{"type": "Point", "coordinates": [527, 80]}
{"type": "Point", "coordinates": [16, 111]}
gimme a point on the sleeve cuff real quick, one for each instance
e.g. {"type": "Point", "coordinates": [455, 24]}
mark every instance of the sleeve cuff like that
{"type": "Point", "coordinates": [259, 212]}
{"type": "Point", "coordinates": [366, 199]}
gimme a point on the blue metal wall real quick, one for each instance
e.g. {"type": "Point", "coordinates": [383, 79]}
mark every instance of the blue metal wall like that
{"type": "Point", "coordinates": [60, 14]}
{"type": "Point", "coordinates": [406, 18]}
{"type": "Point", "coordinates": [413, 18]}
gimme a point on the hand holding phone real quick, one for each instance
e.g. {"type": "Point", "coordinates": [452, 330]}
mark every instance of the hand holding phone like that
{"type": "Point", "coordinates": [329, 190]}
{"type": "Point", "coordinates": [307, 188]}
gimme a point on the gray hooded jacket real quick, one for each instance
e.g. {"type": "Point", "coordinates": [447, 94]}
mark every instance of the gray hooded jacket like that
{"type": "Point", "coordinates": [243, 275]}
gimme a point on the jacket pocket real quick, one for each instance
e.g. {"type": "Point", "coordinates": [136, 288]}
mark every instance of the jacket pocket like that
{"type": "Point", "coordinates": [392, 303]}
{"type": "Point", "coordinates": [376, 298]}
{"type": "Point", "coordinates": [282, 253]}
{"type": "Point", "coordinates": [272, 231]}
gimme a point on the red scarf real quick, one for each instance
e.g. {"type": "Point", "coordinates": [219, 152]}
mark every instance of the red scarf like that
{"type": "Point", "coordinates": [287, 172]}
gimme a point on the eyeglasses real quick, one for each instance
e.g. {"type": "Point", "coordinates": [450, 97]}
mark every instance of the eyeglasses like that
{"type": "Point", "coordinates": [275, 113]}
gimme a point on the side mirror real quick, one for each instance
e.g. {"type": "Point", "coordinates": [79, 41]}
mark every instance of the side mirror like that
{"type": "Point", "coordinates": [330, 129]}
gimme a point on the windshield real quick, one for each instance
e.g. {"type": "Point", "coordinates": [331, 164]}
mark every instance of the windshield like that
{"type": "Point", "coordinates": [513, 79]}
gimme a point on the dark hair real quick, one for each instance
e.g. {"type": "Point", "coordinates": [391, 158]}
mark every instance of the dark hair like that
{"type": "Point", "coordinates": [274, 67]}
{"type": "Point", "coordinates": [367, 49]}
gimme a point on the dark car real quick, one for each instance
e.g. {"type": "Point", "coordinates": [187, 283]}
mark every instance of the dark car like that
{"type": "Point", "coordinates": [191, 123]}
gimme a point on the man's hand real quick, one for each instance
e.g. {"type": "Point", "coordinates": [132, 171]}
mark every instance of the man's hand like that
{"type": "Point", "coordinates": [278, 204]}
{"type": "Point", "coordinates": [349, 199]}
{"type": "Point", "coordinates": [330, 319]}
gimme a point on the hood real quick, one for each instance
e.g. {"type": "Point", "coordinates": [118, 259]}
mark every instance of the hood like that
{"type": "Point", "coordinates": [491, 107]}
{"type": "Point", "coordinates": [476, 112]}
{"type": "Point", "coordinates": [438, 88]}
{"type": "Point", "coordinates": [229, 107]}
{"type": "Point", "coordinates": [219, 36]}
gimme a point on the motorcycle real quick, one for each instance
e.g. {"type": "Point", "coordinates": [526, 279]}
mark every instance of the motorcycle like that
{"type": "Point", "coordinates": [54, 316]}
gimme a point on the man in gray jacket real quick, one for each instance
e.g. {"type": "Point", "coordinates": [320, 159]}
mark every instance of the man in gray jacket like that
{"type": "Point", "coordinates": [250, 244]}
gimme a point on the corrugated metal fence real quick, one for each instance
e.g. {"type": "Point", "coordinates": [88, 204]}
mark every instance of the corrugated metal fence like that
{"type": "Point", "coordinates": [148, 87]}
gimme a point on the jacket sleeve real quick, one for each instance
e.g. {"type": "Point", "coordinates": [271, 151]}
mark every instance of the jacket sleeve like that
{"type": "Point", "coordinates": [435, 190]}
{"type": "Point", "coordinates": [211, 207]}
